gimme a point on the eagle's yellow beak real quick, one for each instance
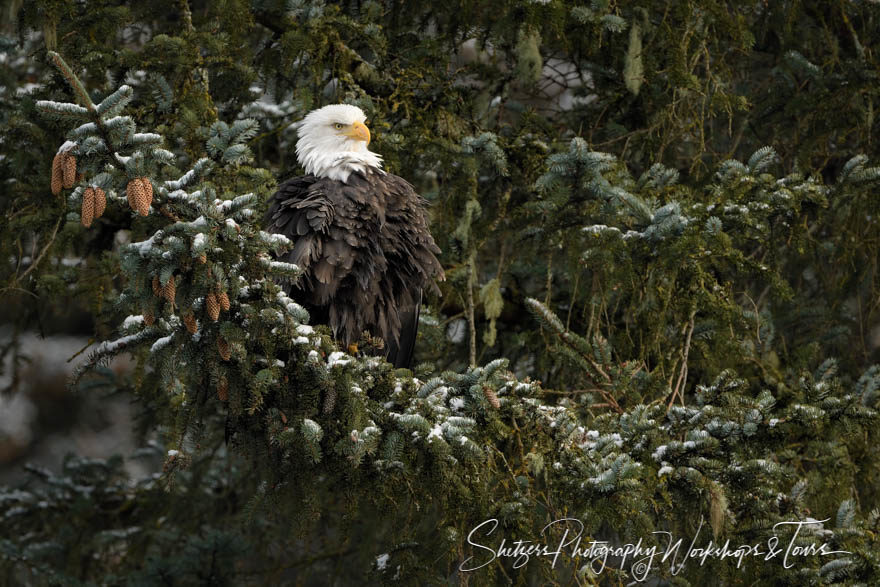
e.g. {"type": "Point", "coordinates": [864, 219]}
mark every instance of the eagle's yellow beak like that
{"type": "Point", "coordinates": [359, 132]}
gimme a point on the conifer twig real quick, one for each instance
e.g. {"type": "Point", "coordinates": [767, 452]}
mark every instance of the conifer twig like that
{"type": "Point", "coordinates": [472, 352]}
{"type": "Point", "coordinates": [682, 375]}
{"type": "Point", "coordinates": [73, 80]}
{"type": "Point", "coordinates": [39, 258]}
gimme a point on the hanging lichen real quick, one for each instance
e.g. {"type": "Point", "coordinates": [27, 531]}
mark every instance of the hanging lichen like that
{"type": "Point", "coordinates": [633, 69]}
{"type": "Point", "coordinates": [529, 62]}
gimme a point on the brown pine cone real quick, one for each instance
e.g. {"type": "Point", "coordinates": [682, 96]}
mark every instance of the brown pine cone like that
{"type": "Point", "coordinates": [135, 193]}
{"type": "Point", "coordinates": [69, 169]}
{"type": "Point", "coordinates": [169, 290]}
{"type": "Point", "coordinates": [138, 198]}
{"type": "Point", "coordinates": [212, 305]}
{"type": "Point", "coordinates": [223, 298]}
{"type": "Point", "coordinates": [157, 287]}
{"type": "Point", "coordinates": [189, 320]}
{"type": "Point", "coordinates": [148, 187]}
{"type": "Point", "coordinates": [100, 201]}
{"type": "Point", "coordinates": [87, 213]}
{"type": "Point", "coordinates": [203, 258]}
{"type": "Point", "coordinates": [148, 192]}
{"type": "Point", "coordinates": [491, 397]}
{"type": "Point", "coordinates": [223, 389]}
{"type": "Point", "coordinates": [223, 348]}
{"type": "Point", "coordinates": [57, 173]}
{"type": "Point", "coordinates": [149, 318]}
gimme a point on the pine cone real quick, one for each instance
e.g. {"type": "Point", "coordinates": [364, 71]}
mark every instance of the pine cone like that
{"type": "Point", "coordinates": [491, 397]}
{"type": "Point", "coordinates": [189, 320]}
{"type": "Point", "coordinates": [223, 298]}
{"type": "Point", "coordinates": [149, 318]}
{"type": "Point", "coordinates": [223, 389]}
{"type": "Point", "coordinates": [100, 201]}
{"type": "Point", "coordinates": [212, 305]}
{"type": "Point", "coordinates": [138, 198]}
{"type": "Point", "coordinates": [223, 348]}
{"type": "Point", "coordinates": [203, 258]}
{"type": "Point", "coordinates": [57, 173]}
{"type": "Point", "coordinates": [148, 187]}
{"type": "Point", "coordinates": [148, 192]}
{"type": "Point", "coordinates": [157, 287]}
{"type": "Point", "coordinates": [69, 168]}
{"type": "Point", "coordinates": [329, 400]}
{"type": "Point", "coordinates": [87, 213]}
{"type": "Point", "coordinates": [169, 290]}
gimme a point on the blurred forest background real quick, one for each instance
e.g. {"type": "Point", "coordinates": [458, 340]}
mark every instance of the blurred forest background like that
{"type": "Point", "coordinates": [659, 223]}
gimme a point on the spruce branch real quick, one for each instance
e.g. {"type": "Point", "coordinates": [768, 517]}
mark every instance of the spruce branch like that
{"type": "Point", "coordinates": [579, 349]}
{"type": "Point", "coordinates": [74, 81]}
{"type": "Point", "coordinates": [83, 97]}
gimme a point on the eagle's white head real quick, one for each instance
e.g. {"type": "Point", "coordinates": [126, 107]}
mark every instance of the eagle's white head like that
{"type": "Point", "coordinates": [333, 142]}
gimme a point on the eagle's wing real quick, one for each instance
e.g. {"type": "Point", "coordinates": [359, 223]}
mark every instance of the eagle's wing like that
{"type": "Point", "coordinates": [302, 215]}
{"type": "Point", "coordinates": [412, 256]}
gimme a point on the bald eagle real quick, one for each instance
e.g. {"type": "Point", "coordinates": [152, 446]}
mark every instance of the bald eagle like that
{"type": "Point", "coordinates": [359, 233]}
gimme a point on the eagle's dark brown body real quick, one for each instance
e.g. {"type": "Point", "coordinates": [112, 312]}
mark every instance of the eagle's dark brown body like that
{"type": "Point", "coordinates": [366, 253]}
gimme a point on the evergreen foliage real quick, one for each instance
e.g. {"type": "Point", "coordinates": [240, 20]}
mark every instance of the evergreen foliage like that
{"type": "Point", "coordinates": [660, 226]}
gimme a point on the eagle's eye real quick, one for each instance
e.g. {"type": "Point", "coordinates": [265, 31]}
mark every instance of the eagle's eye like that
{"type": "Point", "coordinates": [338, 125]}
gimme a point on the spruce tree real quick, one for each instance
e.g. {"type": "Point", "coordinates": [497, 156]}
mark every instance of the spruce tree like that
{"type": "Point", "coordinates": [659, 226]}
